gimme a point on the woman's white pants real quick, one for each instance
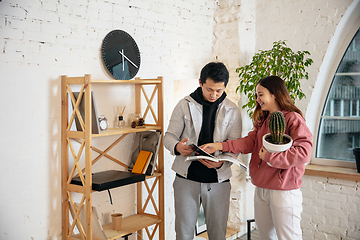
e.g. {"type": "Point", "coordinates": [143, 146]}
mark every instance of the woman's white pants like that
{"type": "Point", "coordinates": [278, 214]}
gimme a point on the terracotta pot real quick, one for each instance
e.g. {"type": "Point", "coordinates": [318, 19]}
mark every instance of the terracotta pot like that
{"type": "Point", "coordinates": [274, 148]}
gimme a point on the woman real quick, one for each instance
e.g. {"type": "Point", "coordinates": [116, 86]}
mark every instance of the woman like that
{"type": "Point", "coordinates": [278, 198]}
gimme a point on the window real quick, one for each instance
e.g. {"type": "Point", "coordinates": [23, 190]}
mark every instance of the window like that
{"type": "Point", "coordinates": [339, 130]}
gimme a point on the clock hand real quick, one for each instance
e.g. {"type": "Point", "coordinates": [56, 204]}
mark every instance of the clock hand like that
{"type": "Point", "coordinates": [122, 53]}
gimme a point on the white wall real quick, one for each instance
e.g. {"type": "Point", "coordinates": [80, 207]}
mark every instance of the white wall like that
{"type": "Point", "coordinates": [235, 45]}
{"type": "Point", "coordinates": [41, 40]}
{"type": "Point", "coordinates": [331, 209]}
{"type": "Point", "coordinates": [305, 25]}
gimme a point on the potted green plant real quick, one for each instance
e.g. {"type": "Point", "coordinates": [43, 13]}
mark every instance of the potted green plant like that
{"type": "Point", "coordinates": [276, 140]}
{"type": "Point", "coordinates": [280, 61]}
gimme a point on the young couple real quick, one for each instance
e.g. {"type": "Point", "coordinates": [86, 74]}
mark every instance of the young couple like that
{"type": "Point", "coordinates": [207, 118]}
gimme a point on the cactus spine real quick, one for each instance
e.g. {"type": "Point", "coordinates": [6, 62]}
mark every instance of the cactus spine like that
{"type": "Point", "coordinates": [277, 126]}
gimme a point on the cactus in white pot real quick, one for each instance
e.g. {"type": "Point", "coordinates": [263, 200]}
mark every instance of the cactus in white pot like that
{"type": "Point", "coordinates": [276, 140]}
{"type": "Point", "coordinates": [277, 127]}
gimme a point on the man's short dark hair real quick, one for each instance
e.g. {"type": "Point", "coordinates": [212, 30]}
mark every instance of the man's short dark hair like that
{"type": "Point", "coordinates": [216, 71]}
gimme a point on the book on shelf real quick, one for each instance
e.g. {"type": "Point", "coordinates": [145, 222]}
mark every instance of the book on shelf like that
{"type": "Point", "coordinates": [146, 141]}
{"type": "Point", "coordinates": [201, 154]}
{"type": "Point", "coordinates": [142, 162]}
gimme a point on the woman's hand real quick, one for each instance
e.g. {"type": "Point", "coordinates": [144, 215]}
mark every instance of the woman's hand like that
{"type": "Point", "coordinates": [262, 153]}
{"type": "Point", "coordinates": [211, 147]}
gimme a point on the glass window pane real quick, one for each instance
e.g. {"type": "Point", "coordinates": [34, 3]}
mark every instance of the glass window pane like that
{"type": "Point", "coordinates": [357, 142]}
{"type": "Point", "coordinates": [339, 130]}
{"type": "Point", "coordinates": [346, 108]}
{"type": "Point", "coordinates": [337, 107]}
{"type": "Point", "coordinates": [354, 107]}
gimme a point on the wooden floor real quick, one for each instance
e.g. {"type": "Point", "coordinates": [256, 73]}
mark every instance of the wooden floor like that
{"type": "Point", "coordinates": [229, 235]}
{"type": "Point", "coordinates": [254, 236]}
{"type": "Point", "coordinates": [229, 232]}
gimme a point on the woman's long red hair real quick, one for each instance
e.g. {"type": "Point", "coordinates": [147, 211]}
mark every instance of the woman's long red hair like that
{"type": "Point", "coordinates": [276, 86]}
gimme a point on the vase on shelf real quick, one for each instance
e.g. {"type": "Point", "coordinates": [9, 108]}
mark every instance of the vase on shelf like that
{"type": "Point", "coordinates": [121, 122]}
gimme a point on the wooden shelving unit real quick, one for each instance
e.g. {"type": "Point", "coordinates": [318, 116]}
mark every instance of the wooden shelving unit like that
{"type": "Point", "coordinates": [141, 220]}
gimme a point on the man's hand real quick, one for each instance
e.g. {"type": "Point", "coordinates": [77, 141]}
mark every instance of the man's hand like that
{"type": "Point", "coordinates": [184, 149]}
{"type": "Point", "coordinates": [211, 164]}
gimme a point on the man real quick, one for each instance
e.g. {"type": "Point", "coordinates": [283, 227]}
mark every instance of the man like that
{"type": "Point", "coordinates": [205, 116]}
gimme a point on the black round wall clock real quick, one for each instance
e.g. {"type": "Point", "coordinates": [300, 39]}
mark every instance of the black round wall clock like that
{"type": "Point", "coordinates": [121, 55]}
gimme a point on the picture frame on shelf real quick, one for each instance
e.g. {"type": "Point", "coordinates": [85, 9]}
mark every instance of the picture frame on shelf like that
{"type": "Point", "coordinates": [95, 128]}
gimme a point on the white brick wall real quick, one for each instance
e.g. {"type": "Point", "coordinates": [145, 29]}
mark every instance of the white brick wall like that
{"type": "Point", "coordinates": [41, 40]}
{"type": "Point", "coordinates": [331, 209]}
{"type": "Point", "coordinates": [305, 25]}
{"type": "Point", "coordinates": [234, 44]}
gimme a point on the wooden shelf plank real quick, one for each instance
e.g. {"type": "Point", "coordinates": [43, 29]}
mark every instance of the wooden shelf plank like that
{"type": "Point", "coordinates": [117, 131]}
{"type": "Point", "coordinates": [142, 81]}
{"type": "Point", "coordinates": [152, 176]}
{"type": "Point", "coordinates": [113, 131]}
{"type": "Point", "coordinates": [76, 134]}
{"type": "Point", "coordinates": [130, 224]}
{"type": "Point", "coordinates": [75, 188]}
{"type": "Point", "coordinates": [75, 80]}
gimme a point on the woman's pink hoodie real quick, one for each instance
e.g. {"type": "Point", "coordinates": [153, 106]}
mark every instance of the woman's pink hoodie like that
{"type": "Point", "coordinates": [287, 167]}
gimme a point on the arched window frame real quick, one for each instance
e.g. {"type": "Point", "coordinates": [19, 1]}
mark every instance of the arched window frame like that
{"type": "Point", "coordinates": [347, 28]}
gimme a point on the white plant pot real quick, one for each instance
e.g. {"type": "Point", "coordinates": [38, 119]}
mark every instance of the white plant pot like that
{"type": "Point", "coordinates": [274, 148]}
